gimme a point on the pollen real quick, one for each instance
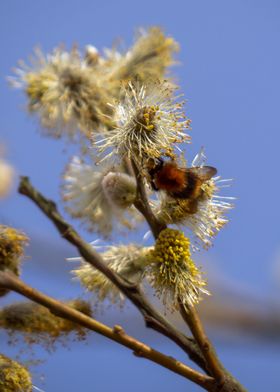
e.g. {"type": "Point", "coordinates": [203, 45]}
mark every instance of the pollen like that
{"type": "Point", "coordinates": [172, 247]}
{"type": "Point", "coordinates": [146, 117]}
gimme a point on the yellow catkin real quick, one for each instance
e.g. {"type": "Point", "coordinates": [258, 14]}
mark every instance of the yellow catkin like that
{"type": "Point", "coordinates": [12, 244]}
{"type": "Point", "coordinates": [38, 325]}
{"type": "Point", "coordinates": [13, 376]}
{"type": "Point", "coordinates": [172, 246]}
{"type": "Point", "coordinates": [172, 272]}
{"type": "Point", "coordinates": [30, 317]}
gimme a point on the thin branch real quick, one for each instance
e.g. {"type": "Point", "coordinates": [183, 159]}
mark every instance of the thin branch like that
{"type": "Point", "coordinates": [143, 206]}
{"type": "Point", "coordinates": [190, 315]}
{"type": "Point", "coordinates": [152, 318]}
{"type": "Point", "coordinates": [117, 334]}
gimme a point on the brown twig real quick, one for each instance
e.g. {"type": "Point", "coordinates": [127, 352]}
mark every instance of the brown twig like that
{"type": "Point", "coordinates": [153, 319]}
{"type": "Point", "coordinates": [142, 204]}
{"type": "Point", "coordinates": [190, 315]}
{"type": "Point", "coordinates": [117, 334]}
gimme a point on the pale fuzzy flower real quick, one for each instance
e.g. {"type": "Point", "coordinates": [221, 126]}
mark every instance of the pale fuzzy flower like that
{"type": "Point", "coordinates": [148, 122]}
{"type": "Point", "coordinates": [172, 272]}
{"type": "Point", "coordinates": [64, 91]}
{"type": "Point", "coordinates": [70, 92]}
{"type": "Point", "coordinates": [126, 260]}
{"type": "Point", "coordinates": [97, 195]}
{"type": "Point", "coordinates": [210, 216]}
{"type": "Point", "coordinates": [147, 59]}
{"type": "Point", "coordinates": [6, 178]}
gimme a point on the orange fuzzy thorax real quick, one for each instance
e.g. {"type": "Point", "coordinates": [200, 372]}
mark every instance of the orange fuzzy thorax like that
{"type": "Point", "coordinates": [170, 178]}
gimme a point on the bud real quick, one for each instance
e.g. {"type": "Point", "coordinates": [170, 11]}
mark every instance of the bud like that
{"type": "Point", "coordinates": [120, 189]}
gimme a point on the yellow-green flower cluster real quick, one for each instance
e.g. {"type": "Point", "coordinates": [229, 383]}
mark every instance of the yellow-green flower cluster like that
{"type": "Point", "coordinates": [12, 244]}
{"type": "Point", "coordinates": [38, 325]}
{"type": "Point", "coordinates": [172, 272]}
{"type": "Point", "coordinates": [13, 376]}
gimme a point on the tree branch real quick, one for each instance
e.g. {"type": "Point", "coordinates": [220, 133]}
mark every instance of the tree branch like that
{"type": "Point", "coordinates": [143, 206]}
{"type": "Point", "coordinates": [190, 315]}
{"type": "Point", "coordinates": [117, 334]}
{"type": "Point", "coordinates": [225, 381]}
{"type": "Point", "coordinates": [153, 319]}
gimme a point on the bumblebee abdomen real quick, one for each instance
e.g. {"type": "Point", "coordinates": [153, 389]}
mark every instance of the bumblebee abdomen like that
{"type": "Point", "coordinates": [191, 191]}
{"type": "Point", "coordinates": [171, 179]}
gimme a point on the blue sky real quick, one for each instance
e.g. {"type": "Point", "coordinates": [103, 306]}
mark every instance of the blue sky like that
{"type": "Point", "coordinates": [229, 73]}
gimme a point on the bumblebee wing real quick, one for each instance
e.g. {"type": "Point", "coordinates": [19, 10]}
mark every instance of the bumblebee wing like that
{"type": "Point", "coordinates": [204, 173]}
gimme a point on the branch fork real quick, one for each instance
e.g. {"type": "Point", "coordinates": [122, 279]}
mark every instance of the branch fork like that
{"type": "Point", "coordinates": [198, 348]}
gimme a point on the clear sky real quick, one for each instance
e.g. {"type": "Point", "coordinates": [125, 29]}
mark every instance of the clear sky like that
{"type": "Point", "coordinates": [229, 73]}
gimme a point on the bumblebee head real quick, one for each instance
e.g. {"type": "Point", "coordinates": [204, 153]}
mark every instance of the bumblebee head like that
{"type": "Point", "coordinates": [154, 165]}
